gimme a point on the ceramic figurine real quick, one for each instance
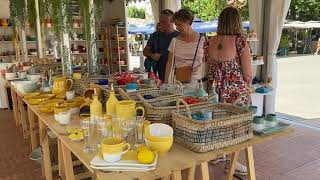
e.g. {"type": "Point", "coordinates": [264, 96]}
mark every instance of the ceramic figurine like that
{"type": "Point", "coordinates": [214, 94]}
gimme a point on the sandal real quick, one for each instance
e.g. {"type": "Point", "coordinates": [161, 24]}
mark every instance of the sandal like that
{"type": "Point", "coordinates": [218, 160]}
{"type": "Point", "coordinates": [240, 170]}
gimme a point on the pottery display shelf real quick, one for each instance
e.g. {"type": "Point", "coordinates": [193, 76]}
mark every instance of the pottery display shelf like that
{"type": "Point", "coordinates": [164, 170]}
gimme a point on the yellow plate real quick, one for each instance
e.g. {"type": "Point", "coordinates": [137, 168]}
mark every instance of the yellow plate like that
{"type": "Point", "coordinates": [30, 95]}
{"type": "Point", "coordinates": [51, 102]}
{"type": "Point", "coordinates": [36, 101]}
{"type": "Point", "coordinates": [43, 96]}
{"type": "Point", "coordinates": [46, 109]}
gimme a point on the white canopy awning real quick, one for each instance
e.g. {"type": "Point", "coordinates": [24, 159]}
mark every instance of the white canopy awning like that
{"type": "Point", "coordinates": [302, 25]}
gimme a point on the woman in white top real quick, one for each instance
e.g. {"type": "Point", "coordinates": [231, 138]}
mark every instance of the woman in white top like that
{"type": "Point", "coordinates": [186, 49]}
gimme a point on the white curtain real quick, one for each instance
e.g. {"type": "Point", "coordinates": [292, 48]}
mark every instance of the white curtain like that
{"type": "Point", "coordinates": [155, 10]}
{"type": "Point", "coordinates": [255, 16]}
{"type": "Point", "coordinates": [3, 94]}
{"type": "Point", "coordinates": [173, 5]}
{"type": "Point", "coordinates": [278, 12]}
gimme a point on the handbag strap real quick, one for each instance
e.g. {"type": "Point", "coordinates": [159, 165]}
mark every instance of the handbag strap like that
{"type": "Point", "coordinates": [195, 54]}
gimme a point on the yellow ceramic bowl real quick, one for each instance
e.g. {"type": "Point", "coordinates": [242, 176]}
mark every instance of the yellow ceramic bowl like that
{"type": "Point", "coordinates": [158, 132]}
{"type": "Point", "coordinates": [61, 108]}
{"type": "Point", "coordinates": [35, 100]}
{"type": "Point", "coordinates": [162, 147]}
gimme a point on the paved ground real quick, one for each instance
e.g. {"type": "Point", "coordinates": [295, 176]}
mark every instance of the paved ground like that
{"type": "Point", "coordinates": [296, 157]}
{"type": "Point", "coordinates": [298, 86]}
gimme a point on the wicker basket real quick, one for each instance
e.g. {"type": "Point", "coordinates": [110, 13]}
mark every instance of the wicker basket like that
{"type": "Point", "coordinates": [230, 125]}
{"type": "Point", "coordinates": [157, 93]}
{"type": "Point", "coordinates": [133, 95]}
{"type": "Point", "coordinates": [81, 85]}
{"type": "Point", "coordinates": [159, 110]}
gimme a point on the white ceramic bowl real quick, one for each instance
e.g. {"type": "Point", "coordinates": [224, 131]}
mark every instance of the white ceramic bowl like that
{"type": "Point", "coordinates": [74, 111]}
{"type": "Point", "coordinates": [26, 68]}
{"type": "Point", "coordinates": [34, 77]}
{"type": "Point", "coordinates": [26, 86]}
{"type": "Point", "coordinates": [160, 130]}
{"type": "Point", "coordinates": [11, 75]}
{"type": "Point", "coordinates": [64, 118]}
{"type": "Point", "coordinates": [22, 74]}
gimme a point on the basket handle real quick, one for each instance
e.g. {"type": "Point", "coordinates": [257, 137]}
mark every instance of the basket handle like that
{"type": "Point", "coordinates": [186, 104]}
{"type": "Point", "coordinates": [141, 98]}
{"type": "Point", "coordinates": [123, 93]}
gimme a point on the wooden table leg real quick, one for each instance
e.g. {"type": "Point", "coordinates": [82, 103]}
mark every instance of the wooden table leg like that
{"type": "Point", "coordinates": [176, 175]}
{"type": "Point", "coordinates": [60, 161]}
{"type": "Point", "coordinates": [23, 118]}
{"type": "Point", "coordinates": [191, 172]}
{"type": "Point", "coordinates": [233, 164]}
{"type": "Point", "coordinates": [67, 161]}
{"type": "Point", "coordinates": [44, 141]}
{"type": "Point", "coordinates": [204, 171]}
{"type": "Point", "coordinates": [166, 178]}
{"type": "Point", "coordinates": [33, 132]}
{"type": "Point", "coordinates": [14, 107]}
{"type": "Point", "coordinates": [250, 163]}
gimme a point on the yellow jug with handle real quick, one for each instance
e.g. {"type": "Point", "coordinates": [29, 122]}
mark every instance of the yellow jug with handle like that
{"type": "Point", "coordinates": [126, 110]}
{"type": "Point", "coordinates": [61, 84]}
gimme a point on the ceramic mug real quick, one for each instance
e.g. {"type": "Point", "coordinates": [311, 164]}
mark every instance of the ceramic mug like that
{"type": "Point", "coordinates": [271, 120]}
{"type": "Point", "coordinates": [258, 122]}
{"type": "Point", "coordinates": [253, 109]}
{"type": "Point", "coordinates": [126, 109]}
{"type": "Point", "coordinates": [61, 84]}
{"type": "Point", "coordinates": [70, 95]}
{"type": "Point", "coordinates": [113, 149]}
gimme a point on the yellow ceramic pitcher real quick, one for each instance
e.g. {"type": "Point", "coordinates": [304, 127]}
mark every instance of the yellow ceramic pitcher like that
{"type": "Point", "coordinates": [61, 84]}
{"type": "Point", "coordinates": [126, 110]}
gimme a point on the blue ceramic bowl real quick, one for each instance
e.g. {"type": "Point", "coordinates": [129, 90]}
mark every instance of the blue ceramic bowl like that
{"type": "Point", "coordinates": [262, 90]}
{"type": "Point", "coordinates": [131, 86]}
{"type": "Point", "coordinates": [148, 96]}
{"type": "Point", "coordinates": [103, 82]}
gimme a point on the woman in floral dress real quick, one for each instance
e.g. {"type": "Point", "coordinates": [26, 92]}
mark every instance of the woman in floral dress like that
{"type": "Point", "coordinates": [229, 61]}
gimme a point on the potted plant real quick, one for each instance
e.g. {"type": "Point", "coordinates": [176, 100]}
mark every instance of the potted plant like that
{"type": "Point", "coordinates": [283, 49]}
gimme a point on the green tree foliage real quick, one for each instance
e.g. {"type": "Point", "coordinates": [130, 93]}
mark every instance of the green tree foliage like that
{"type": "Point", "coordinates": [207, 10]}
{"type": "Point", "coordinates": [135, 12]}
{"type": "Point", "coordinates": [304, 10]}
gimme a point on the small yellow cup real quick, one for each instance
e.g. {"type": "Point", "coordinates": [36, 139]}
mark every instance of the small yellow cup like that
{"type": "Point", "coordinates": [114, 146]}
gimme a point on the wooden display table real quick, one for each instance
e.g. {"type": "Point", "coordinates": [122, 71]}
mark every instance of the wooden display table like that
{"type": "Point", "coordinates": [19, 111]}
{"type": "Point", "coordinates": [171, 164]}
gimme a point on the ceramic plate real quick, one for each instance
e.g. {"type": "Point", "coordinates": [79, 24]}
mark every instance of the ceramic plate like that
{"type": "Point", "coordinates": [280, 126]}
{"type": "Point", "coordinates": [122, 168]}
{"type": "Point", "coordinates": [98, 161]}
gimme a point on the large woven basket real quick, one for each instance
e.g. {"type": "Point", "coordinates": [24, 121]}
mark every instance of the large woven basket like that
{"type": "Point", "coordinates": [230, 125]}
{"type": "Point", "coordinates": [159, 110]}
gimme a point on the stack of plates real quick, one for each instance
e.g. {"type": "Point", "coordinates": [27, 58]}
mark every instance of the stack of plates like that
{"type": "Point", "coordinates": [122, 165]}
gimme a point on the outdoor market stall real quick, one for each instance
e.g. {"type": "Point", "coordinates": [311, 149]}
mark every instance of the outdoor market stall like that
{"type": "Point", "coordinates": [69, 106]}
{"type": "Point", "coordinates": [68, 146]}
